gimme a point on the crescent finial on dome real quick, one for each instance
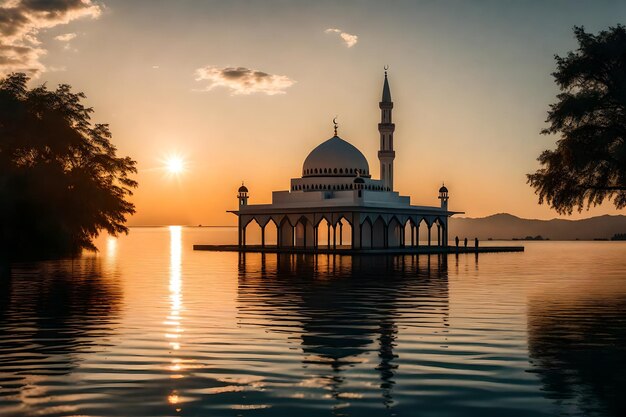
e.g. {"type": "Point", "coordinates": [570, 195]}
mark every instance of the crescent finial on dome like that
{"type": "Point", "coordinates": [335, 124]}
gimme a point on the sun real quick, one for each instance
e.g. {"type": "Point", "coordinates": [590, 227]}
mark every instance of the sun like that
{"type": "Point", "coordinates": [174, 164]}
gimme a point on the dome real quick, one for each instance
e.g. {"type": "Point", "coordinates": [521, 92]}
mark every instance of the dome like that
{"type": "Point", "coordinates": [335, 157]}
{"type": "Point", "coordinates": [243, 189]}
{"type": "Point", "coordinates": [443, 189]}
{"type": "Point", "coordinates": [359, 180]}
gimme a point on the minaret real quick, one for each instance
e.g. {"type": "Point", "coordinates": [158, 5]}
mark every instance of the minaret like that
{"type": "Point", "coordinates": [443, 196]}
{"type": "Point", "coordinates": [242, 195]}
{"type": "Point", "coordinates": [386, 154]}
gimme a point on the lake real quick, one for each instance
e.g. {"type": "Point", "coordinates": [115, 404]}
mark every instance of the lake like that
{"type": "Point", "coordinates": [148, 327]}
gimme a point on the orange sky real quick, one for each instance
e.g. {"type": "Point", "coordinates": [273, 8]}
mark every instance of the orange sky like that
{"type": "Point", "coordinates": [471, 85]}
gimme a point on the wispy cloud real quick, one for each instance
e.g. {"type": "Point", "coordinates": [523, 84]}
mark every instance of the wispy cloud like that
{"type": "Point", "coordinates": [66, 37]}
{"type": "Point", "coordinates": [349, 39]}
{"type": "Point", "coordinates": [243, 81]}
{"type": "Point", "coordinates": [21, 21]}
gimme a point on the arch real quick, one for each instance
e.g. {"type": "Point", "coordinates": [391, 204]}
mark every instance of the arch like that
{"type": "Point", "coordinates": [343, 228]}
{"type": "Point", "coordinates": [394, 233]}
{"type": "Point", "coordinates": [422, 231]}
{"type": "Point", "coordinates": [304, 232]}
{"type": "Point", "coordinates": [379, 228]}
{"type": "Point", "coordinates": [442, 235]}
{"type": "Point", "coordinates": [366, 233]}
{"type": "Point", "coordinates": [285, 233]}
{"type": "Point", "coordinates": [323, 217]}
{"type": "Point", "coordinates": [252, 231]}
{"type": "Point", "coordinates": [409, 232]}
{"type": "Point", "coordinates": [324, 233]}
{"type": "Point", "coordinates": [270, 233]}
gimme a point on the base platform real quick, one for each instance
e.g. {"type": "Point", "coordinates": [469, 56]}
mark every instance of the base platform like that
{"type": "Point", "coordinates": [346, 250]}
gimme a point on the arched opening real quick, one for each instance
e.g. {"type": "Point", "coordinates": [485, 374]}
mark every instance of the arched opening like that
{"type": "Point", "coordinates": [394, 233]}
{"type": "Point", "coordinates": [253, 233]}
{"type": "Point", "coordinates": [410, 237]}
{"type": "Point", "coordinates": [343, 233]}
{"type": "Point", "coordinates": [439, 228]}
{"type": "Point", "coordinates": [423, 232]}
{"type": "Point", "coordinates": [271, 233]}
{"type": "Point", "coordinates": [285, 233]}
{"type": "Point", "coordinates": [378, 233]}
{"type": "Point", "coordinates": [366, 234]}
{"type": "Point", "coordinates": [304, 233]}
{"type": "Point", "coordinates": [324, 234]}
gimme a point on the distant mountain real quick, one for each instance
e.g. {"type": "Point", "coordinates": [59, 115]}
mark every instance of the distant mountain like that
{"type": "Point", "coordinates": [507, 226]}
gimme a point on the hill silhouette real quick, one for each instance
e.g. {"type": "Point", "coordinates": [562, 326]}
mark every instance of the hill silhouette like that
{"type": "Point", "coordinates": [507, 226]}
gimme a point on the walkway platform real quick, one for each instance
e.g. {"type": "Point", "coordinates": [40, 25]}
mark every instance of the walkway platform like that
{"type": "Point", "coordinates": [346, 250]}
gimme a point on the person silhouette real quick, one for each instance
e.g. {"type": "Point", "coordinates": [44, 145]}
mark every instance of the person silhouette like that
{"type": "Point", "coordinates": [465, 242]}
{"type": "Point", "coordinates": [476, 243]}
{"type": "Point", "coordinates": [456, 241]}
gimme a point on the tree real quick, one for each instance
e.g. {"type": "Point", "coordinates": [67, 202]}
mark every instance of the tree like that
{"type": "Point", "coordinates": [61, 182]}
{"type": "Point", "coordinates": [589, 162]}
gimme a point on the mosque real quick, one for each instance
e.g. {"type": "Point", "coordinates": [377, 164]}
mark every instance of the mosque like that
{"type": "Point", "coordinates": [336, 205]}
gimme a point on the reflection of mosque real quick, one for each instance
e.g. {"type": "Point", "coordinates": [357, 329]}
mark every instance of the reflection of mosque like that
{"type": "Point", "coordinates": [344, 308]}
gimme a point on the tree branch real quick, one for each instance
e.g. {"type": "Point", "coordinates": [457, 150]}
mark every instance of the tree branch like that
{"type": "Point", "coordinates": [591, 187]}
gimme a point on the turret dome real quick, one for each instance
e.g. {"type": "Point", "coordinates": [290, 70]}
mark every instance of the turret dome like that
{"type": "Point", "coordinates": [335, 157]}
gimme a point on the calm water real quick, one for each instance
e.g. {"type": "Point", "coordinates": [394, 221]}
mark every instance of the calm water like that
{"type": "Point", "coordinates": [148, 327]}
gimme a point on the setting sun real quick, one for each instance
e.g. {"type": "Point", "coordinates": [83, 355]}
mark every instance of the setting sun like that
{"type": "Point", "coordinates": [174, 164]}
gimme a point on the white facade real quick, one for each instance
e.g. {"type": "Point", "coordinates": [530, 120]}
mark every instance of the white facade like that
{"type": "Point", "coordinates": [336, 186]}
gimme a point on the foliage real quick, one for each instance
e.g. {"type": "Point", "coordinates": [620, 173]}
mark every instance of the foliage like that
{"type": "Point", "coordinates": [589, 162]}
{"type": "Point", "coordinates": [61, 182]}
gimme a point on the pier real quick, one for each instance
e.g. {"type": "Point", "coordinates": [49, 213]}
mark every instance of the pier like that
{"type": "Point", "coordinates": [347, 250]}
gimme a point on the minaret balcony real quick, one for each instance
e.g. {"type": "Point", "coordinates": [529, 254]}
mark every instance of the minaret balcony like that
{"type": "Point", "coordinates": [386, 127]}
{"type": "Point", "coordinates": [386, 154]}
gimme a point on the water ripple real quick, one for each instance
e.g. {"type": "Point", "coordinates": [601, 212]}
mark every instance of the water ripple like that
{"type": "Point", "coordinates": [147, 327]}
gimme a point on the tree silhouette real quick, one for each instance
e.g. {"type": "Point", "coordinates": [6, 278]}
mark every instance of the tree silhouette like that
{"type": "Point", "coordinates": [589, 162]}
{"type": "Point", "coordinates": [61, 182]}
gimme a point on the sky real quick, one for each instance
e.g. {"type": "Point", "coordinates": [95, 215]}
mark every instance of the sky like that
{"type": "Point", "coordinates": [244, 90]}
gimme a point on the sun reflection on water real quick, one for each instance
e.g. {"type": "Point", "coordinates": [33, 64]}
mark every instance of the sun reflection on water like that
{"type": "Point", "coordinates": [174, 319]}
{"type": "Point", "coordinates": [111, 250]}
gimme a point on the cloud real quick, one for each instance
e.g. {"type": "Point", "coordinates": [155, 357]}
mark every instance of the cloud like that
{"type": "Point", "coordinates": [243, 81]}
{"type": "Point", "coordinates": [66, 37]}
{"type": "Point", "coordinates": [21, 21]}
{"type": "Point", "coordinates": [20, 58]}
{"type": "Point", "coordinates": [348, 38]}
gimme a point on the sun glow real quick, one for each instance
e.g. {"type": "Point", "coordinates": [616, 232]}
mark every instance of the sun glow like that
{"type": "Point", "coordinates": [174, 164]}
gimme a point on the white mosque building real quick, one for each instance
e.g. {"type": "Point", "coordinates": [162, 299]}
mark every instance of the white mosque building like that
{"type": "Point", "coordinates": [336, 191]}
